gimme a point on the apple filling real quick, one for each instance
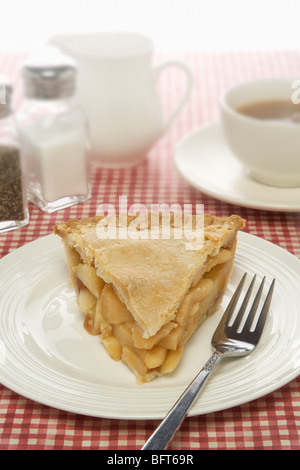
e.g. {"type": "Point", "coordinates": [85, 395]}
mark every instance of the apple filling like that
{"type": "Point", "coordinates": [106, 315]}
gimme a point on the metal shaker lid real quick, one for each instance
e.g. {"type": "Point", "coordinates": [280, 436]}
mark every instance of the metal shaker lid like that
{"type": "Point", "coordinates": [49, 75]}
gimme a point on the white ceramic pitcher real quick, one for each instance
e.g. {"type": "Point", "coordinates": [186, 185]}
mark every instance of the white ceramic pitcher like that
{"type": "Point", "coordinates": [117, 90]}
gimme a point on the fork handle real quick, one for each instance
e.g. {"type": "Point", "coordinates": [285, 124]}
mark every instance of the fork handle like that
{"type": "Point", "coordinates": [161, 437]}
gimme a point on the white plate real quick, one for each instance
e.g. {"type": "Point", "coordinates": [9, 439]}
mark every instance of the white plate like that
{"type": "Point", "coordinates": [205, 161]}
{"type": "Point", "coordinates": [47, 356]}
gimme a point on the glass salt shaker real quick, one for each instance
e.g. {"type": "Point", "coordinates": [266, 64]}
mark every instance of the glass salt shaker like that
{"type": "Point", "coordinates": [13, 198]}
{"type": "Point", "coordinates": [53, 131]}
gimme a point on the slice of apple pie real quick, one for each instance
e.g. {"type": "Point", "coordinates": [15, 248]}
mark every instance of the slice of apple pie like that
{"type": "Point", "coordinates": [146, 296]}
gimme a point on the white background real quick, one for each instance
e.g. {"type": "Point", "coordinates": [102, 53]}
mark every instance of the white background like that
{"type": "Point", "coordinates": [174, 25]}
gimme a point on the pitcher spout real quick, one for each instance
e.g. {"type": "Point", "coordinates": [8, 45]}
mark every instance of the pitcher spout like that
{"type": "Point", "coordinates": [71, 44]}
{"type": "Point", "coordinates": [103, 44]}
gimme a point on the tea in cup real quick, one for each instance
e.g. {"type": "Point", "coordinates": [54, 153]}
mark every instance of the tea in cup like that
{"type": "Point", "coordinates": [262, 127]}
{"type": "Point", "coordinates": [117, 90]}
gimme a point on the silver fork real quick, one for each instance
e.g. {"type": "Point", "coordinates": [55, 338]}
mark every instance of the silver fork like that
{"type": "Point", "coordinates": [234, 336]}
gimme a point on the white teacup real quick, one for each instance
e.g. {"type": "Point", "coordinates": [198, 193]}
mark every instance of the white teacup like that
{"type": "Point", "coordinates": [117, 90]}
{"type": "Point", "coordinates": [269, 149]}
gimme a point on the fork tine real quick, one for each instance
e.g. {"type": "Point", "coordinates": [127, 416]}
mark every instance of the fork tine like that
{"type": "Point", "coordinates": [234, 299]}
{"type": "Point", "coordinates": [254, 307]}
{"type": "Point", "coordinates": [264, 312]}
{"type": "Point", "coordinates": [243, 307]}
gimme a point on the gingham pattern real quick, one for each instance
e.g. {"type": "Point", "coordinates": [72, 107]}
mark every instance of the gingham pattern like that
{"type": "Point", "coordinates": [271, 422]}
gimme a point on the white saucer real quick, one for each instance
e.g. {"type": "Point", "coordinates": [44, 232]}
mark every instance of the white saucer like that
{"type": "Point", "coordinates": [205, 161]}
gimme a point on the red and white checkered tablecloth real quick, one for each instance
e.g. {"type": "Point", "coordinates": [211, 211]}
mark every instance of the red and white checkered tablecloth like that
{"type": "Point", "coordinates": [268, 423]}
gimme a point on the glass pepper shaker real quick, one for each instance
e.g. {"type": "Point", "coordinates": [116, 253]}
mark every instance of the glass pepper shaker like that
{"type": "Point", "coordinates": [53, 131]}
{"type": "Point", "coordinates": [13, 198]}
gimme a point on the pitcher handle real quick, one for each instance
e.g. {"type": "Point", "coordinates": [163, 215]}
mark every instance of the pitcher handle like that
{"type": "Point", "coordinates": [189, 85]}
